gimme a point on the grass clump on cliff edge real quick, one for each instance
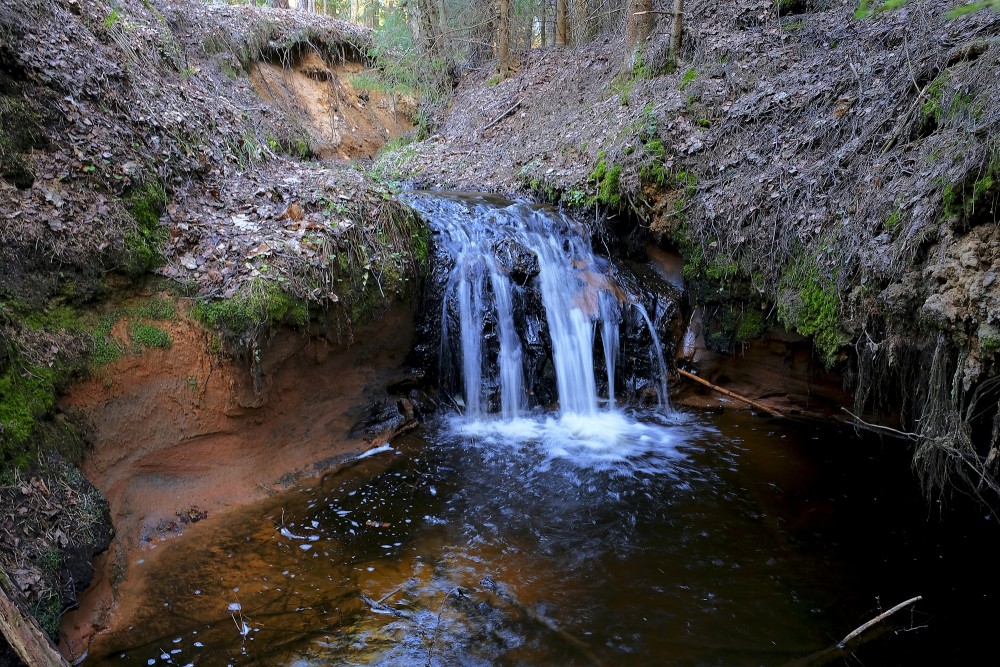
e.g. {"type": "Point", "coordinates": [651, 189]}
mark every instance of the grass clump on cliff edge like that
{"type": "Point", "coordinates": [245, 318]}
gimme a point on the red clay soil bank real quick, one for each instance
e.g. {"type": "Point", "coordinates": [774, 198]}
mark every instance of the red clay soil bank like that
{"type": "Point", "coordinates": [344, 123]}
{"type": "Point", "coordinates": [180, 434]}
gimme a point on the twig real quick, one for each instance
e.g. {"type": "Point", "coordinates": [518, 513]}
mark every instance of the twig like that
{"type": "Point", "coordinates": [731, 394]}
{"type": "Point", "coordinates": [834, 653]}
{"type": "Point", "coordinates": [878, 619]}
{"type": "Point", "coordinates": [391, 593]}
{"type": "Point", "coordinates": [877, 427]}
{"type": "Point", "coordinates": [502, 116]}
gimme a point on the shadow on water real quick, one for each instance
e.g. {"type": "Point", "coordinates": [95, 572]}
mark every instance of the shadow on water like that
{"type": "Point", "coordinates": [699, 540]}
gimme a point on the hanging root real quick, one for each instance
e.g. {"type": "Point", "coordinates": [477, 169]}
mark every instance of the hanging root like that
{"type": "Point", "coordinates": [946, 455]}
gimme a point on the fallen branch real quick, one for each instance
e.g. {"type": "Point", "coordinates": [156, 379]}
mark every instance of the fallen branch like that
{"type": "Point", "coordinates": [731, 394]}
{"type": "Point", "coordinates": [877, 427]}
{"type": "Point", "coordinates": [878, 619]}
{"type": "Point", "coordinates": [499, 118]}
{"type": "Point", "coordinates": [836, 652]}
{"type": "Point", "coordinates": [23, 634]}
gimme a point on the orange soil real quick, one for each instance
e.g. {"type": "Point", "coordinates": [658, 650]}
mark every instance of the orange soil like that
{"type": "Point", "coordinates": [343, 122]}
{"type": "Point", "coordinates": [179, 428]}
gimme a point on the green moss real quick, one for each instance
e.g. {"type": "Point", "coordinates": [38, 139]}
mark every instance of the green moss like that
{"type": "Point", "coordinates": [989, 344]}
{"type": "Point", "coordinates": [145, 335]}
{"type": "Point", "coordinates": [54, 317]}
{"type": "Point", "coordinates": [50, 560]}
{"type": "Point", "coordinates": [974, 199]}
{"type": "Point", "coordinates": [749, 326]}
{"type": "Point", "coordinates": [608, 180]}
{"type": "Point", "coordinates": [938, 108]}
{"type": "Point", "coordinates": [420, 244]}
{"type": "Point", "coordinates": [809, 303]}
{"type": "Point", "coordinates": [688, 78]}
{"type": "Point", "coordinates": [105, 348]}
{"type": "Point", "coordinates": [145, 243]}
{"type": "Point", "coordinates": [626, 81]}
{"type": "Point", "coordinates": [27, 393]}
{"type": "Point", "coordinates": [48, 613]}
{"type": "Point", "coordinates": [729, 324]}
{"type": "Point", "coordinates": [867, 8]}
{"type": "Point", "coordinates": [653, 170]}
{"type": "Point", "coordinates": [155, 308]}
{"type": "Point", "coordinates": [892, 221]}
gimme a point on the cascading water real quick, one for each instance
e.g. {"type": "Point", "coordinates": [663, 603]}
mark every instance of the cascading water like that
{"type": "Point", "coordinates": [499, 252]}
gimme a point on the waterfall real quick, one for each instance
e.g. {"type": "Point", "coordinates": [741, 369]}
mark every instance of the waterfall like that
{"type": "Point", "coordinates": [504, 260]}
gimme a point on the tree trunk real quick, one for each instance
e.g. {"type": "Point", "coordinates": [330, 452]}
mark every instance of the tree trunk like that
{"type": "Point", "coordinates": [542, 19]}
{"type": "Point", "coordinates": [676, 33]}
{"type": "Point", "coordinates": [562, 22]}
{"type": "Point", "coordinates": [640, 21]}
{"type": "Point", "coordinates": [354, 10]}
{"type": "Point", "coordinates": [583, 25]}
{"type": "Point", "coordinates": [430, 29]}
{"type": "Point", "coordinates": [503, 39]}
{"type": "Point", "coordinates": [482, 33]}
{"type": "Point", "coordinates": [22, 631]}
{"type": "Point", "coordinates": [529, 30]}
{"type": "Point", "coordinates": [639, 26]}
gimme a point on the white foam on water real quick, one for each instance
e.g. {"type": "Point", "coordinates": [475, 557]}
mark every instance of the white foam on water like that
{"type": "Point", "coordinates": [609, 440]}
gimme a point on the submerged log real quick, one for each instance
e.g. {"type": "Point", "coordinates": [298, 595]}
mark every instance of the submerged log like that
{"type": "Point", "coordinates": [22, 631]}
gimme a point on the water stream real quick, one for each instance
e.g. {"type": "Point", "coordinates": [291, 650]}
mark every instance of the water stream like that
{"type": "Point", "coordinates": [503, 256]}
{"type": "Point", "coordinates": [517, 533]}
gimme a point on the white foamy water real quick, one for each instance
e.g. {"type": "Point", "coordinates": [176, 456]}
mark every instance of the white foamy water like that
{"type": "Point", "coordinates": [603, 441]}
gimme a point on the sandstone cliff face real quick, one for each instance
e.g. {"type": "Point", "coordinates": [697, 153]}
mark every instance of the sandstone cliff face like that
{"type": "Point", "coordinates": [141, 138]}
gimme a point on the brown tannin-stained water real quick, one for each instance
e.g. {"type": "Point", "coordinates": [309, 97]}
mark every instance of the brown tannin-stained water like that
{"type": "Point", "coordinates": [593, 535]}
{"type": "Point", "coordinates": [694, 540]}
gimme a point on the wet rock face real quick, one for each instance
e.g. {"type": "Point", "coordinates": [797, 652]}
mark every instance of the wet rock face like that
{"type": "Point", "coordinates": [519, 262]}
{"type": "Point", "coordinates": [661, 301]}
{"type": "Point", "coordinates": [638, 288]}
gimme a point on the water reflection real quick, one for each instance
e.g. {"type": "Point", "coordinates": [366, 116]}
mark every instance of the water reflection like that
{"type": "Point", "coordinates": [704, 541]}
